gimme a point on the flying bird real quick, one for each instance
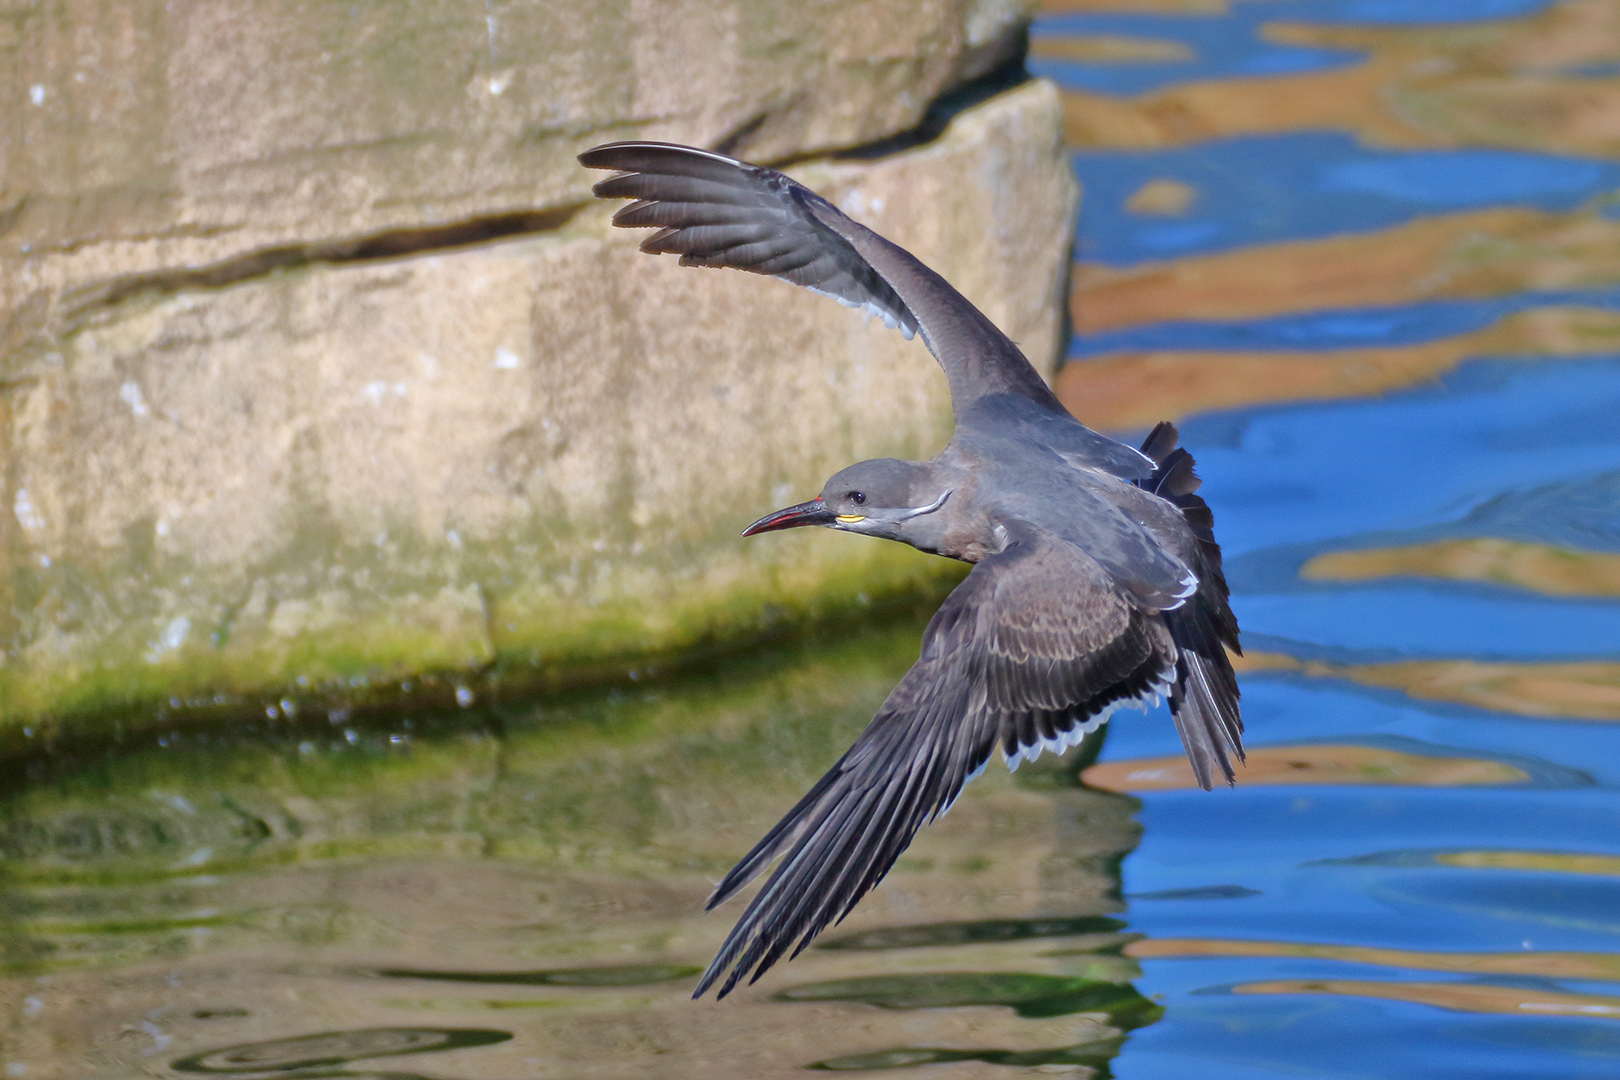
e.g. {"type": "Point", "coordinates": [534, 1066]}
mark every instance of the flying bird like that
{"type": "Point", "coordinates": [1096, 579]}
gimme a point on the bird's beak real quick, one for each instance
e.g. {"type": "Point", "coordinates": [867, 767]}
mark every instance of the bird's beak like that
{"type": "Point", "coordinates": [814, 512]}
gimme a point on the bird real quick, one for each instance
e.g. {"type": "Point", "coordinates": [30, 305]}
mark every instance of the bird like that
{"type": "Point", "coordinates": [1096, 579]}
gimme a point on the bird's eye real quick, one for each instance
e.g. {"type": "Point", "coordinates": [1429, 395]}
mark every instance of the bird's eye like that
{"type": "Point", "coordinates": [858, 498]}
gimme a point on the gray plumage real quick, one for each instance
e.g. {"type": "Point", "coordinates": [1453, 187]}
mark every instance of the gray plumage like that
{"type": "Point", "coordinates": [1096, 581]}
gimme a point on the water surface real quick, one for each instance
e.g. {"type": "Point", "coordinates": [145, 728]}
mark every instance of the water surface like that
{"type": "Point", "coordinates": [1417, 876]}
{"type": "Point", "coordinates": [1412, 884]}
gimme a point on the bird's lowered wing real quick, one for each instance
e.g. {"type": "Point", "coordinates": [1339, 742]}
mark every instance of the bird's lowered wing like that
{"type": "Point", "coordinates": [1031, 651]}
{"type": "Point", "coordinates": [713, 210]}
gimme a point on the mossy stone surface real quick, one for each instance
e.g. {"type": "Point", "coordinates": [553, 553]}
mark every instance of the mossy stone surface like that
{"type": "Point", "coordinates": [507, 465]}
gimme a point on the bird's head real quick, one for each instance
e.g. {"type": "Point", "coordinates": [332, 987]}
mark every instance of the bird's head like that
{"type": "Point", "coordinates": [883, 497]}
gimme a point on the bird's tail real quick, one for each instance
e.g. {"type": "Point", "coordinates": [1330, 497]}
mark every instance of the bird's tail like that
{"type": "Point", "coordinates": [1204, 701]}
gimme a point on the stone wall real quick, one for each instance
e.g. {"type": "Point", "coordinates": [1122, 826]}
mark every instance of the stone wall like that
{"type": "Point", "coordinates": [321, 373]}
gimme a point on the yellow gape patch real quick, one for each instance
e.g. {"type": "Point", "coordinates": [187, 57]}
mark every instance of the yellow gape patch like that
{"type": "Point", "coordinates": [850, 518]}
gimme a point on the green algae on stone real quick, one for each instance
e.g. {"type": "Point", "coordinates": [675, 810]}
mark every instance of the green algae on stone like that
{"type": "Point", "coordinates": [581, 772]}
{"type": "Point", "coordinates": [350, 625]}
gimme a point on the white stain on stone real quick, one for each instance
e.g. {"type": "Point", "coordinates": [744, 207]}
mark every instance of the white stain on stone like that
{"type": "Point", "coordinates": [174, 635]}
{"type": "Point", "coordinates": [131, 393]}
{"type": "Point", "coordinates": [505, 359]}
{"type": "Point", "coordinates": [178, 803]}
{"type": "Point", "coordinates": [376, 391]}
{"type": "Point", "coordinates": [23, 507]}
{"type": "Point", "coordinates": [36, 93]}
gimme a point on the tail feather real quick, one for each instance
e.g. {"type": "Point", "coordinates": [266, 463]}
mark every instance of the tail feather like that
{"type": "Point", "coordinates": [1176, 476]}
{"type": "Point", "coordinates": [1204, 700]}
{"type": "Point", "coordinates": [1160, 441]}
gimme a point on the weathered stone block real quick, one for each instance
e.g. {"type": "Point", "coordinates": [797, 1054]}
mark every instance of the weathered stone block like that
{"type": "Point", "coordinates": [538, 451]}
{"type": "Point", "coordinates": [149, 135]}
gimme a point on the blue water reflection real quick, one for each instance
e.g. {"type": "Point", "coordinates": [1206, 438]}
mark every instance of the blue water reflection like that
{"type": "Point", "coordinates": [1222, 1037]}
{"type": "Point", "coordinates": [1583, 513]}
{"type": "Point", "coordinates": [1500, 441]}
{"type": "Point", "coordinates": [1356, 866]}
{"type": "Point", "coordinates": [1285, 475]}
{"type": "Point", "coordinates": [1428, 621]}
{"type": "Point", "coordinates": [1520, 865]}
{"type": "Point", "coordinates": [1307, 184]}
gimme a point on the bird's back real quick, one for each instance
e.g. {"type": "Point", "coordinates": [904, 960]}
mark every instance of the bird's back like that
{"type": "Point", "coordinates": [1053, 473]}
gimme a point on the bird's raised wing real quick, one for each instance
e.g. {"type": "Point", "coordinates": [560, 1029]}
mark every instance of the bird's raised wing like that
{"type": "Point", "coordinates": [1034, 649]}
{"type": "Point", "coordinates": [713, 210]}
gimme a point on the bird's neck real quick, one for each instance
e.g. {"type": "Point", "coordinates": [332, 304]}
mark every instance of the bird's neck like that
{"type": "Point", "coordinates": [960, 529]}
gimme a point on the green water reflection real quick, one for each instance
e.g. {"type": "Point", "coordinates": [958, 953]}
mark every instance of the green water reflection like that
{"type": "Point", "coordinates": [219, 904]}
{"type": "Point", "coordinates": [1029, 995]}
{"type": "Point", "coordinates": [630, 975]}
{"type": "Point", "coordinates": [334, 1048]}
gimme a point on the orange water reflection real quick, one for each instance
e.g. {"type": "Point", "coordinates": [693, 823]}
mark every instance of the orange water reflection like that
{"type": "Point", "coordinates": [1130, 390]}
{"type": "Point", "coordinates": [1479, 253]}
{"type": "Point", "coordinates": [1562, 862]}
{"type": "Point", "coordinates": [1108, 48]}
{"type": "Point", "coordinates": [1312, 764]}
{"type": "Point", "coordinates": [1502, 83]}
{"type": "Point", "coordinates": [1459, 997]}
{"type": "Point", "coordinates": [1556, 965]}
{"type": "Point", "coordinates": [1541, 567]}
{"type": "Point", "coordinates": [1573, 690]}
{"type": "Point", "coordinates": [1169, 7]}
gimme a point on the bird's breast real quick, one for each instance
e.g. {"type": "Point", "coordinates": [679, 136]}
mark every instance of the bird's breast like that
{"type": "Point", "coordinates": [974, 536]}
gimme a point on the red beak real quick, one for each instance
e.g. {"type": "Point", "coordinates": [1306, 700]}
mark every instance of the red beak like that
{"type": "Point", "coordinates": [814, 512]}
